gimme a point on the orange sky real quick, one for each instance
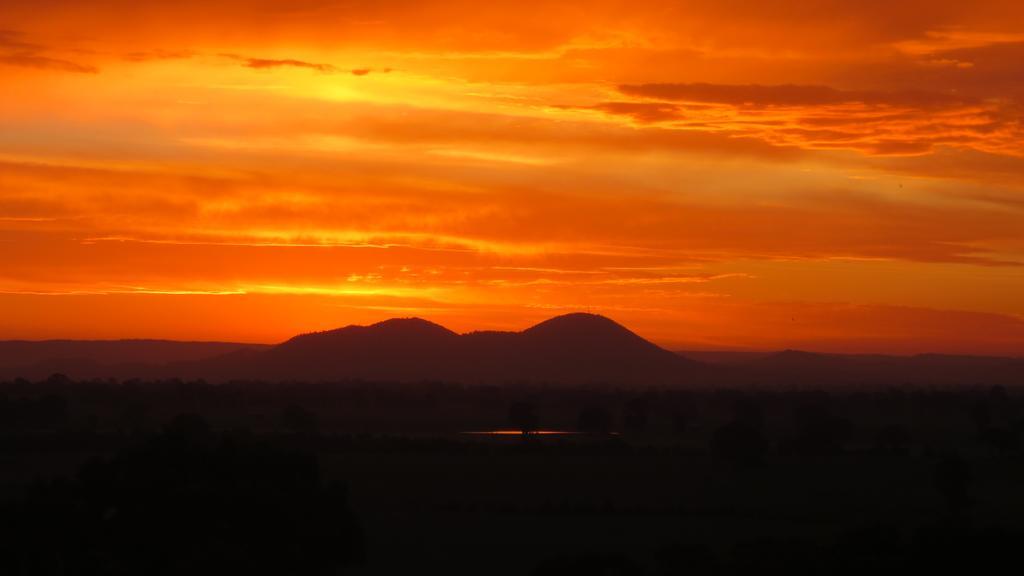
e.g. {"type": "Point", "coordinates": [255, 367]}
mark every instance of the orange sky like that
{"type": "Point", "coordinates": [824, 174]}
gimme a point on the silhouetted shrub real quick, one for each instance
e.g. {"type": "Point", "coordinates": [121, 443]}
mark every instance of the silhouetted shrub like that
{"type": "Point", "coordinates": [892, 439]}
{"type": "Point", "coordinates": [523, 417]}
{"type": "Point", "coordinates": [595, 420]}
{"type": "Point", "coordinates": [298, 420]}
{"type": "Point", "coordinates": [953, 481]}
{"type": "Point", "coordinates": [819, 433]}
{"type": "Point", "coordinates": [741, 440]}
{"type": "Point", "coordinates": [637, 415]}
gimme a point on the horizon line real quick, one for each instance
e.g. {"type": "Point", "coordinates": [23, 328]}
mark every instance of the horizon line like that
{"type": "Point", "coordinates": [677, 348]}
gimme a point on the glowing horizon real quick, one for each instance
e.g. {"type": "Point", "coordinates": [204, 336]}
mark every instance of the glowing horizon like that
{"type": "Point", "coordinates": [796, 174]}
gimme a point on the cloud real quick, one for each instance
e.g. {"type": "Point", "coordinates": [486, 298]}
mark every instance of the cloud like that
{"type": "Point", "coordinates": [260, 63]}
{"type": "Point", "coordinates": [995, 71]}
{"type": "Point", "coordinates": [158, 54]}
{"type": "Point", "coordinates": [16, 52]}
{"type": "Point", "coordinates": [29, 60]}
{"type": "Point", "coordinates": [268, 63]}
{"type": "Point", "coordinates": [949, 39]}
{"type": "Point", "coordinates": [365, 71]}
{"type": "Point", "coordinates": [349, 206]}
{"type": "Point", "coordinates": [271, 63]}
{"type": "Point", "coordinates": [909, 122]}
{"type": "Point", "coordinates": [787, 95]}
{"type": "Point", "coordinates": [642, 111]}
{"type": "Point", "coordinates": [11, 40]}
{"type": "Point", "coordinates": [422, 126]}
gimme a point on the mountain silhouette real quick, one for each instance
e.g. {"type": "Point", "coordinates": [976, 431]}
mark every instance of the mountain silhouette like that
{"type": "Point", "coordinates": [793, 367]}
{"type": "Point", "coordinates": [23, 352]}
{"type": "Point", "coordinates": [574, 348]}
{"type": "Point", "coordinates": [105, 358]}
{"type": "Point", "coordinates": [597, 348]}
{"type": "Point", "coordinates": [570, 349]}
{"type": "Point", "coordinates": [396, 349]}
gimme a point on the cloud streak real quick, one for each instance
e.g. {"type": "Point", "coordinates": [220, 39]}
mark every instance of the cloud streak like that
{"type": "Point", "coordinates": [16, 52]}
{"type": "Point", "coordinates": [788, 95]}
{"type": "Point", "coordinates": [276, 63]}
{"type": "Point", "coordinates": [266, 63]}
{"type": "Point", "coordinates": [824, 118]}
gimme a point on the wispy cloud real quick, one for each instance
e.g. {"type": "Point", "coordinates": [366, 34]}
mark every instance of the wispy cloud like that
{"type": "Point", "coordinates": [157, 55]}
{"type": "Point", "coordinates": [272, 63]}
{"type": "Point", "coordinates": [264, 63]}
{"type": "Point", "coordinates": [824, 118]}
{"type": "Point", "coordinates": [15, 51]}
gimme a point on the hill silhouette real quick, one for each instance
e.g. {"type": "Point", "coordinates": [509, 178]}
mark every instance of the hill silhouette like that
{"type": "Point", "coordinates": [574, 348]}
{"type": "Point", "coordinates": [798, 368]}
{"type": "Point", "coordinates": [105, 358]}
{"type": "Point", "coordinates": [569, 349]}
{"type": "Point", "coordinates": [804, 369]}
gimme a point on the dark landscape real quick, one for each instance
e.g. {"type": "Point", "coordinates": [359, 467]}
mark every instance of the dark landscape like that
{"type": "Point", "coordinates": [506, 288]}
{"type": "Point", "coordinates": [574, 447]}
{"type": "Point", "coordinates": [572, 349]}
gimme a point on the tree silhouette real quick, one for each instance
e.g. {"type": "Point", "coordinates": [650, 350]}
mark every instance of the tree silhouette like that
{"type": "Point", "coordinates": [297, 420]}
{"type": "Point", "coordinates": [892, 439]}
{"type": "Point", "coordinates": [953, 481]}
{"type": "Point", "coordinates": [819, 432]}
{"type": "Point", "coordinates": [595, 420]}
{"type": "Point", "coordinates": [742, 439]}
{"type": "Point", "coordinates": [637, 415]}
{"type": "Point", "coordinates": [523, 417]}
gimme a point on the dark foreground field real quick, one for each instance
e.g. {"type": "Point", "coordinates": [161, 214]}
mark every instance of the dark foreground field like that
{"type": "Point", "coordinates": [361, 478]}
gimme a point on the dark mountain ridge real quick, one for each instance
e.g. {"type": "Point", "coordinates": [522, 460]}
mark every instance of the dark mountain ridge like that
{"type": "Point", "coordinates": [798, 368]}
{"type": "Point", "coordinates": [104, 358]}
{"type": "Point", "coordinates": [15, 352]}
{"type": "Point", "coordinates": [575, 348]}
{"type": "Point", "coordinates": [570, 349]}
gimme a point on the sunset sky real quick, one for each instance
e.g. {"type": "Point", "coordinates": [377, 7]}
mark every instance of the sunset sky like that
{"type": "Point", "coordinates": [714, 174]}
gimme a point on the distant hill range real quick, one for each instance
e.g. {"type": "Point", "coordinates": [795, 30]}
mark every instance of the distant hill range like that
{"type": "Point", "coordinates": [569, 349]}
{"type": "Point", "coordinates": [575, 348]}
{"type": "Point", "coordinates": [105, 358]}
